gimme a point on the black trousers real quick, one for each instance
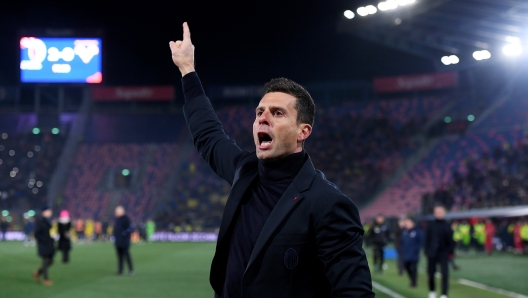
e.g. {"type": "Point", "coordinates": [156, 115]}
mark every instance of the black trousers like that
{"type": "Point", "coordinates": [400, 262]}
{"type": "Point", "coordinates": [412, 271]}
{"type": "Point", "coordinates": [378, 257]}
{"type": "Point", "coordinates": [432, 262]}
{"type": "Point", "coordinates": [47, 261]}
{"type": "Point", "coordinates": [123, 253]}
{"type": "Point", "coordinates": [65, 255]}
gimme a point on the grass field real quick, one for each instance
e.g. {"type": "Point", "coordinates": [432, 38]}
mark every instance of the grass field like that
{"type": "Point", "coordinates": [182, 270]}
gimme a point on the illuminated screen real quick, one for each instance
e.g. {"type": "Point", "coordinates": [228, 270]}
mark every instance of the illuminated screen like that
{"type": "Point", "coordinates": [60, 60]}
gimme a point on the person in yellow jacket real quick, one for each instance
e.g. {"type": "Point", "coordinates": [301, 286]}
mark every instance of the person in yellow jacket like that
{"type": "Point", "coordinates": [479, 237]}
{"type": "Point", "coordinates": [524, 235]}
{"type": "Point", "coordinates": [464, 230]}
{"type": "Point", "coordinates": [89, 228]}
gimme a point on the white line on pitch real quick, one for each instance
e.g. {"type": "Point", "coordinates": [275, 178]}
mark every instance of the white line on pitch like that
{"type": "Point", "coordinates": [491, 289]}
{"type": "Point", "coordinates": [387, 291]}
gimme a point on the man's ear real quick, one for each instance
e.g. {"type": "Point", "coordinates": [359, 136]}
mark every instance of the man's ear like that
{"type": "Point", "coordinates": [304, 132]}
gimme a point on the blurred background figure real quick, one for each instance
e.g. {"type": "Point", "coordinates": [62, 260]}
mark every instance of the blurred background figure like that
{"type": "Point", "coordinates": [479, 236]}
{"type": "Point", "coordinates": [45, 245]}
{"type": "Point", "coordinates": [464, 229]}
{"type": "Point", "coordinates": [411, 244]}
{"type": "Point", "coordinates": [122, 231]}
{"type": "Point", "coordinates": [28, 231]}
{"type": "Point", "coordinates": [517, 240]}
{"type": "Point", "coordinates": [150, 229]}
{"type": "Point", "coordinates": [378, 237]}
{"type": "Point", "coordinates": [64, 227]}
{"type": "Point", "coordinates": [438, 244]}
{"type": "Point", "coordinates": [490, 233]}
{"type": "Point", "coordinates": [98, 230]}
{"type": "Point", "coordinates": [89, 229]}
{"type": "Point", "coordinates": [524, 235]}
{"type": "Point", "coordinates": [4, 225]}
{"type": "Point", "coordinates": [397, 244]}
{"type": "Point", "coordinates": [79, 229]}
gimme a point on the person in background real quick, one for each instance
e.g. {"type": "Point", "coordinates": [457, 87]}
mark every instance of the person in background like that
{"type": "Point", "coordinates": [490, 233]}
{"type": "Point", "coordinates": [517, 240]}
{"type": "Point", "coordinates": [456, 243]}
{"type": "Point", "coordinates": [411, 243]}
{"type": "Point", "coordinates": [122, 231]}
{"type": "Point", "coordinates": [4, 225]}
{"type": "Point", "coordinates": [98, 229]}
{"type": "Point", "coordinates": [79, 229]}
{"type": "Point", "coordinates": [523, 231]}
{"type": "Point", "coordinates": [150, 229]}
{"type": "Point", "coordinates": [45, 245]}
{"type": "Point", "coordinates": [64, 227]}
{"type": "Point", "coordinates": [378, 238]}
{"type": "Point", "coordinates": [479, 236]}
{"type": "Point", "coordinates": [28, 231]}
{"type": "Point", "coordinates": [106, 233]}
{"type": "Point", "coordinates": [89, 230]}
{"type": "Point", "coordinates": [465, 236]}
{"type": "Point", "coordinates": [400, 228]}
{"type": "Point", "coordinates": [438, 244]}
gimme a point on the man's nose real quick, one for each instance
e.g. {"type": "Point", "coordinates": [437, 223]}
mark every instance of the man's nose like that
{"type": "Point", "coordinates": [264, 118]}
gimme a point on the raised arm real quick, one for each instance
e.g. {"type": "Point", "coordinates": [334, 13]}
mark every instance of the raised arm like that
{"type": "Point", "coordinates": [221, 153]}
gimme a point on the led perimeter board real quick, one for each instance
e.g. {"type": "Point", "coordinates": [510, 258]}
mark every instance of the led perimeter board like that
{"type": "Point", "coordinates": [60, 60]}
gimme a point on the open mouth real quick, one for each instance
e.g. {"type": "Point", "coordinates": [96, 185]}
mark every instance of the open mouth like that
{"type": "Point", "coordinates": [265, 140]}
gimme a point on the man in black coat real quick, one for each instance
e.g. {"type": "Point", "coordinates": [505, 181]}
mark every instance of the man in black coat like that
{"type": "Point", "coordinates": [286, 231]}
{"type": "Point", "coordinates": [45, 245]}
{"type": "Point", "coordinates": [378, 237]}
{"type": "Point", "coordinates": [122, 232]}
{"type": "Point", "coordinates": [438, 244]}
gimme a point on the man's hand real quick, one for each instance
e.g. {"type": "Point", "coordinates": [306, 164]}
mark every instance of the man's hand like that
{"type": "Point", "coordinates": [183, 52]}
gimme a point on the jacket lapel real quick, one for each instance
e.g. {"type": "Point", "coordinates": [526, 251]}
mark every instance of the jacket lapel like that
{"type": "Point", "coordinates": [291, 197]}
{"type": "Point", "coordinates": [235, 197]}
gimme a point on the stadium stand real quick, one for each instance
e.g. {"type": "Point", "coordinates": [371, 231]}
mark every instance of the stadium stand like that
{"type": "Point", "coordinates": [27, 162]}
{"type": "Point", "coordinates": [447, 173]}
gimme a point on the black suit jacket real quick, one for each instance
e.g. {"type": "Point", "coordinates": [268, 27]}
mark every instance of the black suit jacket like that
{"type": "Point", "coordinates": [438, 239]}
{"type": "Point", "coordinates": [311, 244]}
{"type": "Point", "coordinates": [122, 232]}
{"type": "Point", "coordinates": [45, 244]}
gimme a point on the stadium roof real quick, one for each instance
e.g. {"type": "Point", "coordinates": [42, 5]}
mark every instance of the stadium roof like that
{"type": "Point", "coordinates": [433, 29]}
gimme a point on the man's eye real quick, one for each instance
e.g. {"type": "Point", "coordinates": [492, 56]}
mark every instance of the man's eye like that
{"type": "Point", "coordinates": [278, 113]}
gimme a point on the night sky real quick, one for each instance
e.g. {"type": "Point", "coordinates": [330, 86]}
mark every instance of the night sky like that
{"type": "Point", "coordinates": [240, 42]}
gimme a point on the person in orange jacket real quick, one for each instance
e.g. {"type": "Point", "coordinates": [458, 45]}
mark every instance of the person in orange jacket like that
{"type": "Point", "coordinates": [489, 228]}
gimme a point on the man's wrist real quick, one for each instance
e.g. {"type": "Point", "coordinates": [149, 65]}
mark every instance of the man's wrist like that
{"type": "Point", "coordinates": [186, 70]}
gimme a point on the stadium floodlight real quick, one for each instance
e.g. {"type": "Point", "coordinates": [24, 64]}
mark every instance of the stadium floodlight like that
{"type": "Point", "coordinates": [349, 14]}
{"type": "Point", "coordinates": [55, 131]}
{"type": "Point", "coordinates": [383, 6]}
{"type": "Point", "coordinates": [481, 55]}
{"type": "Point", "coordinates": [448, 60]}
{"type": "Point", "coordinates": [447, 119]}
{"type": "Point", "coordinates": [471, 118]}
{"type": "Point", "coordinates": [512, 49]}
{"type": "Point", "coordinates": [371, 9]}
{"type": "Point", "coordinates": [5, 213]}
{"type": "Point", "coordinates": [362, 11]}
{"type": "Point", "coordinates": [36, 130]}
{"type": "Point", "coordinates": [125, 172]}
{"type": "Point", "coordinates": [392, 4]}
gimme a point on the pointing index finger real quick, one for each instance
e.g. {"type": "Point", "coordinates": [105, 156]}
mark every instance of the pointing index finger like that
{"type": "Point", "coordinates": [186, 32]}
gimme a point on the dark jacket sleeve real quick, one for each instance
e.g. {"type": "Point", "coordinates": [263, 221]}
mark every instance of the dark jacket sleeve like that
{"type": "Point", "coordinates": [339, 238]}
{"type": "Point", "coordinates": [427, 239]}
{"type": "Point", "coordinates": [216, 148]}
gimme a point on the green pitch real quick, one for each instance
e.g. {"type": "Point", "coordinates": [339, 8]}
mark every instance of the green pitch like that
{"type": "Point", "coordinates": [182, 270]}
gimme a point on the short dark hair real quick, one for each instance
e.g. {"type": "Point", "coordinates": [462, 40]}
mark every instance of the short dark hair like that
{"type": "Point", "coordinates": [304, 105]}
